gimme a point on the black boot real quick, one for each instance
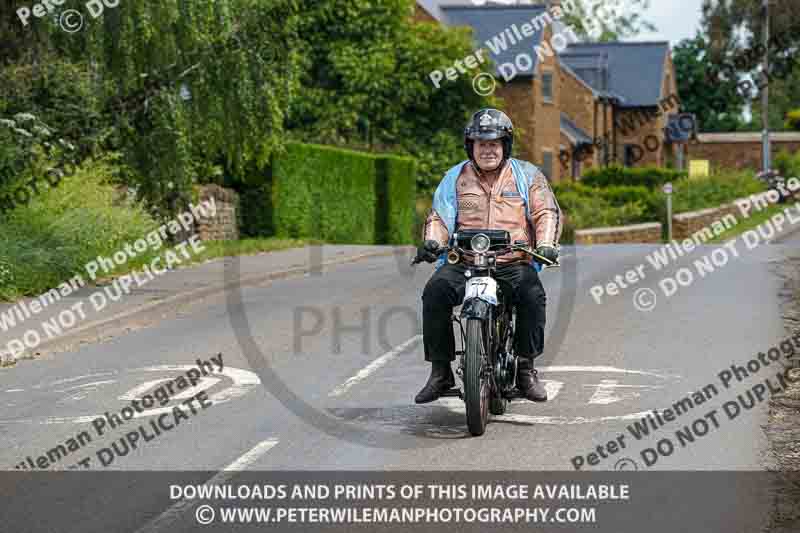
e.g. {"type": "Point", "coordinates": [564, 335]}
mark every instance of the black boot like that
{"type": "Point", "coordinates": [528, 381]}
{"type": "Point", "coordinates": [440, 381]}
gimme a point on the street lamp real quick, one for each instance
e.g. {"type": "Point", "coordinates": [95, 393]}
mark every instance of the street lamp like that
{"type": "Point", "coordinates": [765, 141]}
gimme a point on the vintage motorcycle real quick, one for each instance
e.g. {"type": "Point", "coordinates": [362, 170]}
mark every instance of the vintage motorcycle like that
{"type": "Point", "coordinates": [487, 363]}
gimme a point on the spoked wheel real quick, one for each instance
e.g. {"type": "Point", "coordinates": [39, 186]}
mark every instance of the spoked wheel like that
{"type": "Point", "coordinates": [476, 379]}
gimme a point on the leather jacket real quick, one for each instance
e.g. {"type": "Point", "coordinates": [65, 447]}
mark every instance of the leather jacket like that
{"type": "Point", "coordinates": [502, 207]}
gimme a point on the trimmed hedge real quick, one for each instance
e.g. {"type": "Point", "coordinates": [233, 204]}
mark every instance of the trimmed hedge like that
{"type": "Point", "coordinates": [397, 191]}
{"type": "Point", "coordinates": [343, 196]}
{"type": "Point", "coordinates": [649, 177]}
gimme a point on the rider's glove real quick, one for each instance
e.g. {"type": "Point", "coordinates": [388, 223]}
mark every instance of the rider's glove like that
{"type": "Point", "coordinates": [548, 252]}
{"type": "Point", "coordinates": [428, 251]}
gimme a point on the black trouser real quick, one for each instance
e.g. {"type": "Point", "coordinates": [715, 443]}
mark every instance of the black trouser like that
{"type": "Point", "coordinates": [445, 290]}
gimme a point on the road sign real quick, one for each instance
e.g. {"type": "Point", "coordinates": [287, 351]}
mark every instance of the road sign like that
{"type": "Point", "coordinates": [668, 188]}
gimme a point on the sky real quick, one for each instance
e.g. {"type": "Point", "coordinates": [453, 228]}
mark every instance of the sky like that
{"type": "Point", "coordinates": [675, 20]}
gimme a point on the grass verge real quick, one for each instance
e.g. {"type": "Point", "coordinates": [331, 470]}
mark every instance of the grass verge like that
{"type": "Point", "coordinates": [749, 223]}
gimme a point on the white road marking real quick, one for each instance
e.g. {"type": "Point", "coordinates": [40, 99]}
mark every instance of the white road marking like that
{"type": "Point", "coordinates": [457, 406]}
{"type": "Point", "coordinates": [15, 390]}
{"type": "Point", "coordinates": [78, 378]}
{"type": "Point", "coordinates": [609, 369]}
{"type": "Point", "coordinates": [531, 419]}
{"type": "Point", "coordinates": [141, 390]}
{"type": "Point", "coordinates": [137, 392]}
{"type": "Point", "coordinates": [92, 385]}
{"type": "Point", "coordinates": [552, 387]}
{"type": "Point", "coordinates": [243, 382]}
{"type": "Point", "coordinates": [170, 516]}
{"type": "Point", "coordinates": [203, 384]}
{"type": "Point", "coordinates": [373, 367]}
{"type": "Point", "coordinates": [607, 391]}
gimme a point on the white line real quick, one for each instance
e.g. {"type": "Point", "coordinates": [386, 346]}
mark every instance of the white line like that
{"type": "Point", "coordinates": [70, 380]}
{"type": "Point", "coordinates": [372, 367]}
{"type": "Point", "coordinates": [93, 384]}
{"type": "Point", "coordinates": [565, 420]}
{"type": "Point", "coordinates": [139, 391]}
{"type": "Point", "coordinates": [171, 515]}
{"type": "Point", "coordinates": [610, 369]}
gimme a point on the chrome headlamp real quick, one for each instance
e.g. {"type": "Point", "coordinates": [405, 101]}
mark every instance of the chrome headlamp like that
{"type": "Point", "coordinates": [480, 243]}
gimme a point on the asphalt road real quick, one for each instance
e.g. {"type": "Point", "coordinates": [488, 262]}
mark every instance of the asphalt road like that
{"type": "Point", "coordinates": [320, 372]}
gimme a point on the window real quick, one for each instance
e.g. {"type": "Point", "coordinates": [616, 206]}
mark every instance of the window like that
{"type": "Point", "coordinates": [547, 163]}
{"type": "Point", "coordinates": [547, 87]}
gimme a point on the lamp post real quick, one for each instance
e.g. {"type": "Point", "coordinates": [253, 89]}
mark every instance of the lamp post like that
{"type": "Point", "coordinates": [765, 140]}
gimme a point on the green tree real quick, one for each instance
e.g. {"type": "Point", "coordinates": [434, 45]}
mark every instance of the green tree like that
{"type": "Point", "coordinates": [793, 120]}
{"type": "Point", "coordinates": [365, 83]}
{"type": "Point", "coordinates": [736, 44]}
{"type": "Point", "coordinates": [607, 20]}
{"type": "Point", "coordinates": [717, 106]}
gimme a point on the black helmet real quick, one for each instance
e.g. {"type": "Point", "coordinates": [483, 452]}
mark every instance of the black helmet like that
{"type": "Point", "coordinates": [486, 125]}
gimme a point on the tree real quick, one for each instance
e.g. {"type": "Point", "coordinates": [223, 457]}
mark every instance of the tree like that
{"type": "Point", "coordinates": [607, 20]}
{"type": "Point", "coordinates": [718, 106]}
{"type": "Point", "coordinates": [736, 44]}
{"type": "Point", "coordinates": [365, 83]}
{"type": "Point", "coordinates": [735, 27]}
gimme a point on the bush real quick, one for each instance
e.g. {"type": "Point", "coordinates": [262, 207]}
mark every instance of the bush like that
{"type": "Point", "coordinates": [649, 177]}
{"type": "Point", "coordinates": [713, 190]}
{"type": "Point", "coordinates": [788, 164]}
{"type": "Point", "coordinates": [52, 238]}
{"type": "Point", "coordinates": [593, 207]}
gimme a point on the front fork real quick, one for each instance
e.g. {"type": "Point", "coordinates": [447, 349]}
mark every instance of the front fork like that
{"type": "Point", "coordinates": [500, 361]}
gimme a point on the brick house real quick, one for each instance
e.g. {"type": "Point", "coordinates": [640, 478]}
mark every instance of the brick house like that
{"type": "Point", "coordinates": [575, 105]}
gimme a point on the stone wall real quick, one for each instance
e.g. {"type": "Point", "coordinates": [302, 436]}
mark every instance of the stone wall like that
{"type": "Point", "coordinates": [223, 226]}
{"type": "Point", "coordinates": [739, 150]}
{"type": "Point", "coordinates": [649, 232]}
{"type": "Point", "coordinates": [685, 224]}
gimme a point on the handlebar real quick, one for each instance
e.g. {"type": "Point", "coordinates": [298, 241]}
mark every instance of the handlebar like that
{"type": "Point", "coordinates": [505, 249]}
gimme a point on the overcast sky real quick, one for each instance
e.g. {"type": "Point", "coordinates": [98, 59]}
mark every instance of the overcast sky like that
{"type": "Point", "coordinates": [675, 20]}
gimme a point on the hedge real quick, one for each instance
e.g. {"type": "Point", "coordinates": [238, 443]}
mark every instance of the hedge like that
{"type": "Point", "coordinates": [343, 196]}
{"type": "Point", "coordinates": [591, 207]}
{"type": "Point", "coordinates": [397, 191]}
{"type": "Point", "coordinates": [649, 177]}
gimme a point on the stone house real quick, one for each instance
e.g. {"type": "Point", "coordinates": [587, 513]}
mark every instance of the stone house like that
{"type": "Point", "coordinates": [575, 105]}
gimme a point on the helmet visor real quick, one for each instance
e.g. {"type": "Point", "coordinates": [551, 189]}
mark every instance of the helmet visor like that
{"type": "Point", "coordinates": [487, 135]}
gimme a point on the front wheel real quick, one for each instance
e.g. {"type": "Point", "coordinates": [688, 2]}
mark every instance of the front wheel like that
{"type": "Point", "coordinates": [476, 378]}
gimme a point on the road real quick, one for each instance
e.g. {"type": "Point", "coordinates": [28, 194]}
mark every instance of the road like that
{"type": "Point", "coordinates": [320, 372]}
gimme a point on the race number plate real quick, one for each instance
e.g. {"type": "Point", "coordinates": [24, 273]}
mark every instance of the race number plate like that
{"type": "Point", "coordinates": [484, 288]}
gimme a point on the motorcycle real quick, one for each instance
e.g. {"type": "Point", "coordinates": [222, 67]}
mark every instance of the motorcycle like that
{"type": "Point", "coordinates": [487, 363]}
{"type": "Point", "coordinates": [773, 180]}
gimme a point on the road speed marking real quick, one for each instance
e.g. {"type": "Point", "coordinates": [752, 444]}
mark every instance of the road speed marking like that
{"type": "Point", "coordinates": [241, 382]}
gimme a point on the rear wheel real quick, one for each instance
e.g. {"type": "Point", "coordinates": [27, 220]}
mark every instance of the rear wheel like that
{"type": "Point", "coordinates": [476, 378]}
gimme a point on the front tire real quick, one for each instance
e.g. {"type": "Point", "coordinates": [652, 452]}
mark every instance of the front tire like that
{"type": "Point", "coordinates": [476, 380]}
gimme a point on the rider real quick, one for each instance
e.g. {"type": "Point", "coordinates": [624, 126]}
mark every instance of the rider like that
{"type": "Point", "coordinates": [486, 195]}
